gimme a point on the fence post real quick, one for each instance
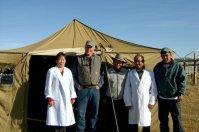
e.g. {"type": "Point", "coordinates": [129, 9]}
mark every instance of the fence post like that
{"type": "Point", "coordinates": [194, 71]}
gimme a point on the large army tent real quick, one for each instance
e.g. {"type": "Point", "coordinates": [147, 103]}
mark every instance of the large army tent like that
{"type": "Point", "coordinates": [15, 98]}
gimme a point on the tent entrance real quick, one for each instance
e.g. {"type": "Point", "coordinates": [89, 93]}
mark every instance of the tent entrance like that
{"type": "Point", "coordinates": [37, 104]}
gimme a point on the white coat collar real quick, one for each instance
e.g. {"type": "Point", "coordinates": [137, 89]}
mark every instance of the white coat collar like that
{"type": "Point", "coordinates": [136, 74]}
{"type": "Point", "coordinates": [59, 75]}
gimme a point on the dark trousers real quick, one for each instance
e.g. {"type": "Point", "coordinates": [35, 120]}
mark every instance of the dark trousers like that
{"type": "Point", "coordinates": [172, 106]}
{"type": "Point", "coordinates": [121, 114]}
{"type": "Point", "coordinates": [134, 128]}
{"type": "Point", "coordinates": [87, 100]}
{"type": "Point", "coordinates": [61, 128]}
{"type": "Point", "coordinates": [56, 129]}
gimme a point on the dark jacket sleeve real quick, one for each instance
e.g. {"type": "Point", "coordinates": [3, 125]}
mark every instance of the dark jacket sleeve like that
{"type": "Point", "coordinates": [104, 86]}
{"type": "Point", "coordinates": [75, 73]}
{"type": "Point", "coordinates": [181, 80]}
{"type": "Point", "coordinates": [102, 74]}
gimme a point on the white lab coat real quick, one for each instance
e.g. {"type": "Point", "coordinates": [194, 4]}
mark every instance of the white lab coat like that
{"type": "Point", "coordinates": [61, 90]}
{"type": "Point", "coordinates": [138, 94]}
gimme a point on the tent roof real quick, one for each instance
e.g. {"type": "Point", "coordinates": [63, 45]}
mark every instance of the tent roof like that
{"type": "Point", "coordinates": [72, 38]}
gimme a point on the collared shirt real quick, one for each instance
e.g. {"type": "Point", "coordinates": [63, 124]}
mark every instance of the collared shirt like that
{"type": "Point", "coordinates": [115, 83]}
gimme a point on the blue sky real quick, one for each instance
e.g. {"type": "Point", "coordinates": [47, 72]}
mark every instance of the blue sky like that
{"type": "Point", "coordinates": [154, 23]}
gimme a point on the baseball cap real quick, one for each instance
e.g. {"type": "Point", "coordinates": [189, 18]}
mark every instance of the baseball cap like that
{"type": "Point", "coordinates": [90, 43]}
{"type": "Point", "coordinates": [166, 50]}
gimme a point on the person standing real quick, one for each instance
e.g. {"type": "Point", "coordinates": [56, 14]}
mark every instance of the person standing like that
{"type": "Point", "coordinates": [60, 94]}
{"type": "Point", "coordinates": [140, 95]}
{"type": "Point", "coordinates": [171, 85]}
{"type": "Point", "coordinates": [88, 77]}
{"type": "Point", "coordinates": [114, 103]}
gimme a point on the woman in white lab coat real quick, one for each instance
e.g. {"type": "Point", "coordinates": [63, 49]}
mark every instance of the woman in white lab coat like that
{"type": "Point", "coordinates": [140, 95]}
{"type": "Point", "coordinates": [60, 94]}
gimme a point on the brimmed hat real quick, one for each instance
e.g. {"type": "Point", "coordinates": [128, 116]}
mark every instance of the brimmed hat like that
{"type": "Point", "coordinates": [119, 57]}
{"type": "Point", "coordinates": [166, 50]}
{"type": "Point", "coordinates": [90, 43]}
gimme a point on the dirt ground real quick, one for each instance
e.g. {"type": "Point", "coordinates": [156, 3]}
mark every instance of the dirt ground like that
{"type": "Point", "coordinates": [189, 108]}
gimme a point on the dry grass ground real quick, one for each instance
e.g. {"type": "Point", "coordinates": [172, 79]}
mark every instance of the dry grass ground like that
{"type": "Point", "coordinates": [190, 112]}
{"type": "Point", "coordinates": [190, 109]}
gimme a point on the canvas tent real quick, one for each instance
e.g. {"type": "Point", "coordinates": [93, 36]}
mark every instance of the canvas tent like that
{"type": "Point", "coordinates": [70, 39]}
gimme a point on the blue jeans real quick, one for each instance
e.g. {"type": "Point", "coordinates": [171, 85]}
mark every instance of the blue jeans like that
{"type": "Point", "coordinates": [87, 98]}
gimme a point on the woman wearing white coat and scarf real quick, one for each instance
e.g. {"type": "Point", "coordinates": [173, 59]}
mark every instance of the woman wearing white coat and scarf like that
{"type": "Point", "coordinates": [140, 95]}
{"type": "Point", "coordinates": [60, 94]}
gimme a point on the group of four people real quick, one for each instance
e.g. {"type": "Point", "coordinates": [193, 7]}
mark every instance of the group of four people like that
{"type": "Point", "coordinates": [129, 94]}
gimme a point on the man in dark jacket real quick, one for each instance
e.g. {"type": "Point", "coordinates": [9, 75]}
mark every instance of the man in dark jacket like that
{"type": "Point", "coordinates": [171, 84]}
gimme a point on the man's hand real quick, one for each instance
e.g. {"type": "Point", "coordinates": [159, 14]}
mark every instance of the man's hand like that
{"type": "Point", "coordinates": [80, 87]}
{"type": "Point", "coordinates": [97, 87]}
{"type": "Point", "coordinates": [180, 97]}
{"type": "Point", "coordinates": [150, 106]}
